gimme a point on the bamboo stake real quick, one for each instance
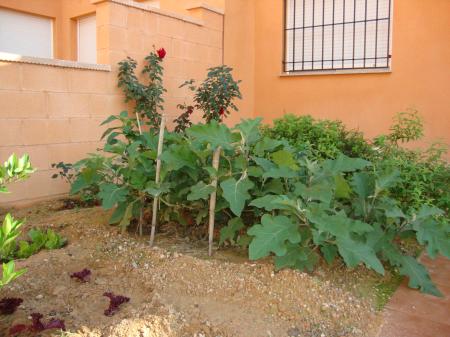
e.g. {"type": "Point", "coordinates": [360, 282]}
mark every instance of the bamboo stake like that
{"type": "Point", "coordinates": [212, 201]}
{"type": "Point", "coordinates": [158, 173]}
{"type": "Point", "coordinates": [141, 216]}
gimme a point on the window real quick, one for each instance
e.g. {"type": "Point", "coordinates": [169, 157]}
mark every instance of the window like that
{"type": "Point", "coordinates": [25, 34]}
{"type": "Point", "coordinates": [87, 39]}
{"type": "Point", "coordinates": [323, 35]}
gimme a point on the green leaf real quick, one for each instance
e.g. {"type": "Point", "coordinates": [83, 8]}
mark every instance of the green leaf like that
{"type": "Point", "coordinates": [111, 195]}
{"type": "Point", "coordinates": [264, 163]}
{"type": "Point", "coordinates": [230, 231]}
{"type": "Point", "coordinates": [343, 189]}
{"type": "Point", "coordinates": [266, 145]}
{"type": "Point", "coordinates": [281, 172]}
{"type": "Point", "coordinates": [386, 181]}
{"type": "Point", "coordinates": [249, 129]}
{"type": "Point", "coordinates": [345, 164]}
{"type": "Point", "coordinates": [236, 193]}
{"type": "Point", "coordinates": [354, 252]}
{"type": "Point", "coordinates": [284, 158]}
{"type": "Point", "coordinates": [418, 276]}
{"type": "Point", "coordinates": [297, 257]}
{"type": "Point", "coordinates": [339, 224]}
{"type": "Point", "coordinates": [179, 156]}
{"type": "Point", "coordinates": [320, 191]}
{"type": "Point", "coordinates": [118, 213]}
{"type": "Point", "coordinates": [212, 133]}
{"type": "Point", "coordinates": [363, 184]}
{"type": "Point", "coordinates": [267, 202]}
{"type": "Point", "coordinates": [271, 235]}
{"type": "Point", "coordinates": [434, 235]}
{"type": "Point", "coordinates": [200, 191]}
{"type": "Point", "coordinates": [329, 252]}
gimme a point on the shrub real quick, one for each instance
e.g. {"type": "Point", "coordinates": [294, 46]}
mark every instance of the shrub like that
{"type": "Point", "coordinates": [298, 206]}
{"type": "Point", "coordinates": [319, 139]}
{"type": "Point", "coordinates": [425, 174]}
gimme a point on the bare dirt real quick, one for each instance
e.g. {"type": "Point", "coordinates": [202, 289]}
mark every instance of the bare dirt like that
{"type": "Point", "coordinates": [175, 289]}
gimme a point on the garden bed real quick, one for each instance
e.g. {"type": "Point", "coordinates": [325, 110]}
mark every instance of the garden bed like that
{"type": "Point", "coordinates": [176, 290]}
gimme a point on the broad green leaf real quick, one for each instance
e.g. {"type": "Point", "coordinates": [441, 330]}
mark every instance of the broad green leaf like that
{"type": "Point", "coordinates": [155, 190]}
{"type": "Point", "coordinates": [284, 158]}
{"type": "Point", "coordinates": [179, 156]}
{"type": "Point", "coordinates": [212, 133]}
{"type": "Point", "coordinates": [281, 172]}
{"type": "Point", "coordinates": [354, 252]}
{"type": "Point", "coordinates": [363, 184]}
{"type": "Point", "coordinates": [387, 180]}
{"type": "Point", "coordinates": [343, 189]}
{"type": "Point", "coordinates": [230, 231]}
{"type": "Point", "coordinates": [111, 195]}
{"type": "Point", "coordinates": [294, 253]}
{"type": "Point", "coordinates": [264, 163]}
{"type": "Point", "coordinates": [329, 252]}
{"type": "Point", "coordinates": [249, 129]}
{"type": "Point", "coordinates": [434, 235]}
{"type": "Point", "coordinates": [266, 202]}
{"type": "Point", "coordinates": [339, 224]}
{"type": "Point", "coordinates": [118, 213]}
{"type": "Point", "coordinates": [236, 193]}
{"type": "Point", "coordinates": [418, 276]}
{"type": "Point", "coordinates": [345, 164]}
{"type": "Point", "coordinates": [266, 145]}
{"type": "Point", "coordinates": [320, 191]}
{"type": "Point", "coordinates": [271, 236]}
{"type": "Point", "coordinates": [200, 191]}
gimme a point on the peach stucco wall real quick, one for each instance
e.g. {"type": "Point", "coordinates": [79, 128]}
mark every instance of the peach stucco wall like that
{"type": "Point", "coordinates": [53, 112]}
{"type": "Point", "coordinates": [419, 78]}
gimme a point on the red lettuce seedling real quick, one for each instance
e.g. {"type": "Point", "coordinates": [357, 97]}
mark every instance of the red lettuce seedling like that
{"type": "Point", "coordinates": [9, 305]}
{"type": "Point", "coordinates": [18, 329]}
{"type": "Point", "coordinates": [114, 302]}
{"type": "Point", "coordinates": [82, 276]}
{"type": "Point", "coordinates": [37, 325]}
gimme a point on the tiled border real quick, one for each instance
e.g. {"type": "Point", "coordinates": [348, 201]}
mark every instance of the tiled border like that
{"type": "Point", "coordinates": [8, 57]}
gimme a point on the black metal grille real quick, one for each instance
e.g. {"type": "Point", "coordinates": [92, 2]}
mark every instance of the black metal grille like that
{"type": "Point", "coordinates": [325, 35]}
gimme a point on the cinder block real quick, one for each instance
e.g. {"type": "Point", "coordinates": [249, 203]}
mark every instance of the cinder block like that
{"type": "Point", "coordinates": [172, 27]}
{"type": "Point", "coordinates": [22, 104]}
{"type": "Point", "coordinates": [11, 133]}
{"type": "Point", "coordinates": [10, 75]}
{"type": "Point", "coordinates": [40, 78]}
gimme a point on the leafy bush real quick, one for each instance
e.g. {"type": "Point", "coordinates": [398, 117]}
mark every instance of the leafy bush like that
{"type": "Point", "coordinates": [298, 206]}
{"type": "Point", "coordinates": [319, 139]}
{"type": "Point", "coordinates": [425, 174]}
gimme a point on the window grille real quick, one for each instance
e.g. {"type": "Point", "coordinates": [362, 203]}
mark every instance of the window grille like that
{"type": "Point", "coordinates": [323, 35]}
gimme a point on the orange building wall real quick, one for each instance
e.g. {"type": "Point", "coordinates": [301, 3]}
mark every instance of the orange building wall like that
{"type": "Point", "coordinates": [53, 112]}
{"type": "Point", "coordinates": [419, 79]}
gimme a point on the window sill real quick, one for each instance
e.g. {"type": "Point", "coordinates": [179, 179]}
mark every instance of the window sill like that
{"type": "Point", "coordinates": [337, 72]}
{"type": "Point", "coordinates": [8, 57]}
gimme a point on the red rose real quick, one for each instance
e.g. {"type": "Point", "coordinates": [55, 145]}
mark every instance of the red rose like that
{"type": "Point", "coordinates": [161, 53]}
{"type": "Point", "coordinates": [221, 111]}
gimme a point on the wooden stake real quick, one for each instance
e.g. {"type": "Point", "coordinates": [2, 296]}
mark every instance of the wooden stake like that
{"type": "Point", "coordinates": [141, 216]}
{"type": "Point", "coordinates": [212, 201]}
{"type": "Point", "coordinates": [158, 173]}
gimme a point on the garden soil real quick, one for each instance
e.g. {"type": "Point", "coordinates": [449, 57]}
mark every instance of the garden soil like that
{"type": "Point", "coordinates": [175, 290]}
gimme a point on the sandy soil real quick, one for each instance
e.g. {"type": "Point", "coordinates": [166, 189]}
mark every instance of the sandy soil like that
{"type": "Point", "coordinates": [175, 290]}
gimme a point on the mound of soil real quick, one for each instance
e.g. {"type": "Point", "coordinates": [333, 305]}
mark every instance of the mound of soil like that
{"type": "Point", "coordinates": [175, 290]}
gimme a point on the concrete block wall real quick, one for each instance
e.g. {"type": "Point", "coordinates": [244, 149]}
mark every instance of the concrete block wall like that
{"type": "Point", "coordinates": [52, 111]}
